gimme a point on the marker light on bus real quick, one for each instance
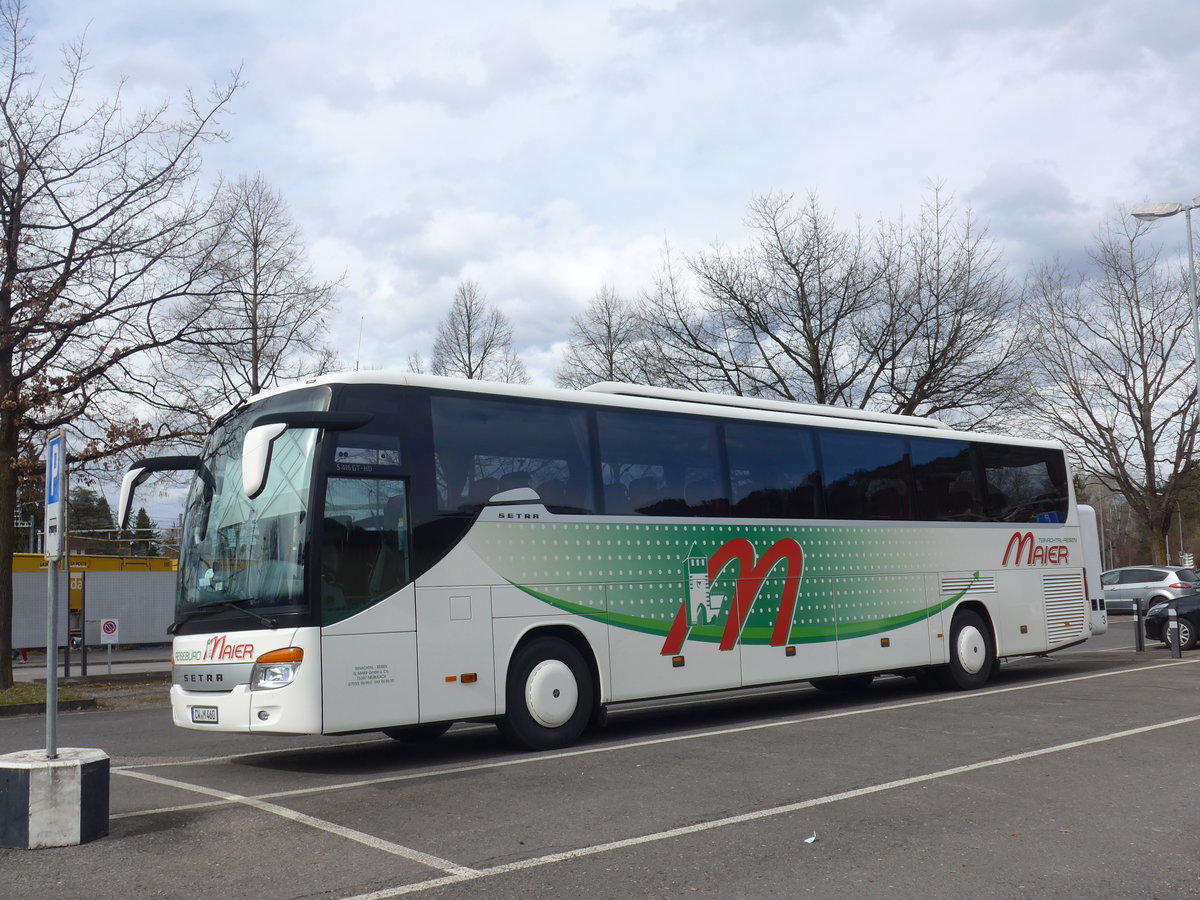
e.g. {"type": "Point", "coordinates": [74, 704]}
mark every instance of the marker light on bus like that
{"type": "Point", "coordinates": [276, 669]}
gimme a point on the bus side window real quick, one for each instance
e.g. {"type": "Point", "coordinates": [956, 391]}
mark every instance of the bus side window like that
{"type": "Point", "coordinates": [866, 475]}
{"type": "Point", "coordinates": [944, 481]}
{"type": "Point", "coordinates": [1025, 484]}
{"type": "Point", "coordinates": [479, 453]}
{"type": "Point", "coordinates": [774, 470]}
{"type": "Point", "coordinates": [655, 457]}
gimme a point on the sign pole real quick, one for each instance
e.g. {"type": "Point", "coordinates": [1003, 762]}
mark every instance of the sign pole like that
{"type": "Point", "coordinates": [110, 633]}
{"type": "Point", "coordinates": [55, 519]}
{"type": "Point", "coordinates": [52, 661]}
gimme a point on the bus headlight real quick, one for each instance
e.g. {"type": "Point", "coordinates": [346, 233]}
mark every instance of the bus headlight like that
{"type": "Point", "coordinates": [276, 669]}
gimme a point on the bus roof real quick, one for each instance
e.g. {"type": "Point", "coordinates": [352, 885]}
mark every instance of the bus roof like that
{"type": "Point", "coordinates": [632, 396]}
{"type": "Point", "coordinates": [784, 406]}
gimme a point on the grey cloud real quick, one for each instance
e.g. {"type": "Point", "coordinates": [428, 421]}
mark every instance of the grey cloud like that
{"type": "Point", "coordinates": [510, 63]}
{"type": "Point", "coordinates": [1083, 35]}
{"type": "Point", "coordinates": [759, 21]}
{"type": "Point", "coordinates": [1031, 211]}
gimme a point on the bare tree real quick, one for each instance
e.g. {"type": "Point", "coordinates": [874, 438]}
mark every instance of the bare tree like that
{"type": "Point", "coordinates": [1113, 351]}
{"type": "Point", "coordinates": [910, 322]}
{"type": "Point", "coordinates": [475, 341]}
{"type": "Point", "coordinates": [606, 343]}
{"type": "Point", "coordinates": [689, 343]}
{"type": "Point", "coordinates": [103, 230]}
{"type": "Point", "coordinates": [261, 315]}
{"type": "Point", "coordinates": [946, 338]}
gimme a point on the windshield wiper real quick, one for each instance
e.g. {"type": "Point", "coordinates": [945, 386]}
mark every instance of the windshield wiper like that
{"type": "Point", "coordinates": [223, 604]}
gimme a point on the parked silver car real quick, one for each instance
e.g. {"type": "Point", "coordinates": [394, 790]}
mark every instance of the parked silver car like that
{"type": "Point", "coordinates": [1146, 585]}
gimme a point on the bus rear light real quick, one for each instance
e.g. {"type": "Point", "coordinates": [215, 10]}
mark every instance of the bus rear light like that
{"type": "Point", "coordinates": [276, 669]}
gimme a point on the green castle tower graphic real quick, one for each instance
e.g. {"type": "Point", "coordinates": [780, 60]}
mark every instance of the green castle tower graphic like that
{"type": "Point", "coordinates": [704, 607]}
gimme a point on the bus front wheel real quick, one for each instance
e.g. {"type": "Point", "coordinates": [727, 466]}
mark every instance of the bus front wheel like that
{"type": "Point", "coordinates": [549, 695]}
{"type": "Point", "coordinates": [971, 653]}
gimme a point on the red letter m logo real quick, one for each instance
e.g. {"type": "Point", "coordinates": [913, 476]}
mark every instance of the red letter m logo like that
{"type": "Point", "coordinates": [1023, 544]}
{"type": "Point", "coordinates": [751, 576]}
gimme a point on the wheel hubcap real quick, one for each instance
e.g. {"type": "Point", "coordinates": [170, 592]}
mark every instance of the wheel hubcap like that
{"type": "Point", "coordinates": [971, 649]}
{"type": "Point", "coordinates": [551, 693]}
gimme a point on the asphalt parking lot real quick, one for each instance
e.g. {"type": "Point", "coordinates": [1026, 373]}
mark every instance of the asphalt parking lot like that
{"type": "Point", "coordinates": [1068, 777]}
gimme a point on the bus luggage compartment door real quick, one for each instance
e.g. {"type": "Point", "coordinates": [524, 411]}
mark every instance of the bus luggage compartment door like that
{"type": "Point", "coordinates": [454, 650]}
{"type": "Point", "coordinates": [368, 680]}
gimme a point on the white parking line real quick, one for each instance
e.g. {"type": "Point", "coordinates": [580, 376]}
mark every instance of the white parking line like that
{"type": "Point", "coordinates": [756, 815]}
{"type": "Point", "coordinates": [425, 859]}
{"type": "Point", "coordinates": [530, 759]}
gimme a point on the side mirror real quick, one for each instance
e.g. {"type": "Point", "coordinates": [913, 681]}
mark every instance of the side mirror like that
{"type": "Point", "coordinates": [256, 446]}
{"type": "Point", "coordinates": [139, 471]}
{"type": "Point", "coordinates": [256, 456]}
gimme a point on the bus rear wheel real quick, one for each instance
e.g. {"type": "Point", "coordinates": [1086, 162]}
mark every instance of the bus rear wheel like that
{"type": "Point", "coordinates": [418, 734]}
{"type": "Point", "coordinates": [971, 653]}
{"type": "Point", "coordinates": [549, 695]}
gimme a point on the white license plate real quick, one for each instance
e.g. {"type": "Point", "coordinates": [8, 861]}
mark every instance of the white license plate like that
{"type": "Point", "coordinates": [204, 715]}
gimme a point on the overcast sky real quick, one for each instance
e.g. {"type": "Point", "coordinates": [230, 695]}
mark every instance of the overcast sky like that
{"type": "Point", "coordinates": [544, 149]}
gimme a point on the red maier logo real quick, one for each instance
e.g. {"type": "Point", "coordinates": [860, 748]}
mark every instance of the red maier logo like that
{"type": "Point", "coordinates": [220, 647]}
{"type": "Point", "coordinates": [1035, 554]}
{"type": "Point", "coordinates": [750, 577]}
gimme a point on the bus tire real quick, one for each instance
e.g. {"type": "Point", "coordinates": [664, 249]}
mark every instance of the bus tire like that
{"type": "Point", "coordinates": [971, 653]}
{"type": "Point", "coordinates": [843, 684]}
{"type": "Point", "coordinates": [549, 695]}
{"type": "Point", "coordinates": [418, 734]}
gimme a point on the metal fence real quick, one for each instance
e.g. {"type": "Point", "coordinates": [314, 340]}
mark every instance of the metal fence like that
{"type": "Point", "coordinates": [143, 602]}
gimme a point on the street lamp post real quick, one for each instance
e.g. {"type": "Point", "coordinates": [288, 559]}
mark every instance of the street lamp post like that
{"type": "Point", "coordinates": [1148, 212]}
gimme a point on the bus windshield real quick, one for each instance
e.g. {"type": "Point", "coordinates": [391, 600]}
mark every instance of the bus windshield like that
{"type": "Point", "coordinates": [235, 550]}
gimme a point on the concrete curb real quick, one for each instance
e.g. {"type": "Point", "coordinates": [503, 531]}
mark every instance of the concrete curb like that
{"type": "Point", "coordinates": [152, 677]}
{"type": "Point", "coordinates": [26, 709]}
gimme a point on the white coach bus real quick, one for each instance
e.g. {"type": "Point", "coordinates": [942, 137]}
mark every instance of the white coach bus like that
{"type": "Point", "coordinates": [399, 552]}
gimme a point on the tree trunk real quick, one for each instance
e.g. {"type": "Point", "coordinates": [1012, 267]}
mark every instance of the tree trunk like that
{"type": "Point", "coordinates": [8, 503]}
{"type": "Point", "coordinates": [1158, 547]}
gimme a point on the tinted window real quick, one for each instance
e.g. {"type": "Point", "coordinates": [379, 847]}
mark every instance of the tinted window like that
{"type": "Point", "coordinates": [364, 544]}
{"type": "Point", "coordinates": [484, 445]}
{"type": "Point", "coordinates": [1185, 575]}
{"type": "Point", "coordinates": [866, 475]}
{"type": "Point", "coordinates": [773, 471]}
{"type": "Point", "coordinates": [944, 481]}
{"type": "Point", "coordinates": [374, 448]}
{"type": "Point", "coordinates": [1024, 484]}
{"type": "Point", "coordinates": [1139, 576]}
{"type": "Point", "coordinates": [660, 465]}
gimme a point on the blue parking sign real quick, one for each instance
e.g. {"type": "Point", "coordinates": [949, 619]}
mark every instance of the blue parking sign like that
{"type": "Point", "coordinates": [56, 474]}
{"type": "Point", "coordinates": [54, 468]}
